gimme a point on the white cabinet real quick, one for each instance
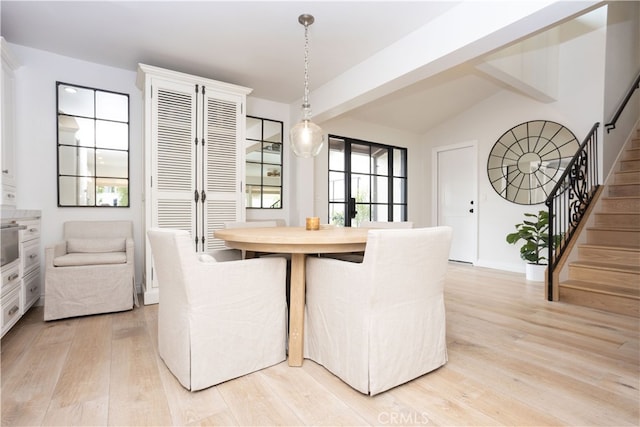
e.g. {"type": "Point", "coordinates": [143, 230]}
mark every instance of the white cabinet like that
{"type": "Point", "coordinates": [194, 157]}
{"type": "Point", "coordinates": [21, 277]}
{"type": "Point", "coordinates": [10, 296]}
{"type": "Point", "coordinates": [7, 110]}
{"type": "Point", "coordinates": [29, 263]}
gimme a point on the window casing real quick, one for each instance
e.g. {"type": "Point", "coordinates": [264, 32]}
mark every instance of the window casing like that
{"type": "Point", "coordinates": [93, 147]}
{"type": "Point", "coordinates": [367, 181]}
{"type": "Point", "coordinates": [263, 186]}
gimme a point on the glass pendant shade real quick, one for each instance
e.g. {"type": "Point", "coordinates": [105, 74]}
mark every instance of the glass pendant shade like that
{"type": "Point", "coordinates": [306, 138]}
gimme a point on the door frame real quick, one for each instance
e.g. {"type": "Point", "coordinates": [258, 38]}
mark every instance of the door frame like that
{"type": "Point", "coordinates": [435, 187]}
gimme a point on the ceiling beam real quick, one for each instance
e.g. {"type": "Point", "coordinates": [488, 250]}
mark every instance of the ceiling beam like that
{"type": "Point", "coordinates": [465, 32]}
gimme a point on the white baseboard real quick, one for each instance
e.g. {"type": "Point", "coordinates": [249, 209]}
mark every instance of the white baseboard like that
{"type": "Point", "coordinates": [515, 268]}
{"type": "Point", "coordinates": [151, 296]}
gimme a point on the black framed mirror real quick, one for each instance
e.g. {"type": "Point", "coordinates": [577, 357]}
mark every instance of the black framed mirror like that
{"type": "Point", "coordinates": [263, 163]}
{"type": "Point", "coordinates": [93, 147]}
{"type": "Point", "coordinates": [526, 162]}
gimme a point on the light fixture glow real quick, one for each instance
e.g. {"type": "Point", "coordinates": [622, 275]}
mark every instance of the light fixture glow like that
{"type": "Point", "coordinates": [306, 137]}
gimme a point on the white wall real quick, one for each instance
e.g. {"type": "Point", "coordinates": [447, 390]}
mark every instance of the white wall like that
{"type": "Point", "coordinates": [579, 106]}
{"type": "Point", "coordinates": [623, 65]}
{"type": "Point", "coordinates": [36, 171]}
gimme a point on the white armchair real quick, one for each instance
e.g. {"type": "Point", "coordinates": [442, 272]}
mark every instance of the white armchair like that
{"type": "Point", "coordinates": [380, 323]}
{"type": "Point", "coordinates": [216, 320]}
{"type": "Point", "coordinates": [359, 256]}
{"type": "Point", "coordinates": [91, 271]}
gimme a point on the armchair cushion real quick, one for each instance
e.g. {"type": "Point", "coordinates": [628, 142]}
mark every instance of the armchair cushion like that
{"type": "Point", "coordinates": [114, 244]}
{"type": "Point", "coordinates": [206, 258]}
{"type": "Point", "coordinates": [90, 258]}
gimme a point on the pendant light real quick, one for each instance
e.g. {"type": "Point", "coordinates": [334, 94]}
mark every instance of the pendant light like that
{"type": "Point", "coordinates": [306, 137]}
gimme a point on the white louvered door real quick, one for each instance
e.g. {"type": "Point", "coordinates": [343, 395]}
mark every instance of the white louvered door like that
{"type": "Point", "coordinates": [173, 160]}
{"type": "Point", "coordinates": [194, 158]}
{"type": "Point", "coordinates": [174, 156]}
{"type": "Point", "coordinates": [222, 165]}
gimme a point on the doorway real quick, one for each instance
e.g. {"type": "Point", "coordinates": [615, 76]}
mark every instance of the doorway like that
{"type": "Point", "coordinates": [455, 182]}
{"type": "Point", "coordinates": [367, 181]}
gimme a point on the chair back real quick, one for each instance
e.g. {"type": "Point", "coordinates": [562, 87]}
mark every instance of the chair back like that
{"type": "Point", "coordinates": [169, 248]}
{"type": "Point", "coordinates": [97, 229]}
{"type": "Point", "coordinates": [384, 224]}
{"type": "Point", "coordinates": [406, 264]}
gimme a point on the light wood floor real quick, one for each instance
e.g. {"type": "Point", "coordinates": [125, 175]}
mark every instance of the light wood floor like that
{"type": "Point", "coordinates": [514, 359]}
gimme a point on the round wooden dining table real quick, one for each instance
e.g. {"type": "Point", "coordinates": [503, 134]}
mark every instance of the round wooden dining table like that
{"type": "Point", "coordinates": [299, 242]}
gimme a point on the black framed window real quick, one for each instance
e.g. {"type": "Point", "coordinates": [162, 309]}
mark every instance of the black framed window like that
{"type": "Point", "coordinates": [367, 181]}
{"type": "Point", "coordinates": [263, 186]}
{"type": "Point", "coordinates": [93, 146]}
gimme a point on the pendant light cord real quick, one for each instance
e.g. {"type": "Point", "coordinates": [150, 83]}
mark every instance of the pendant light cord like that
{"type": "Point", "coordinates": [305, 103]}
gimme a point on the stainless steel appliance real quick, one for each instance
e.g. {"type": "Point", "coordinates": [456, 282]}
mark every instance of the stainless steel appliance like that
{"type": "Point", "coordinates": [10, 241]}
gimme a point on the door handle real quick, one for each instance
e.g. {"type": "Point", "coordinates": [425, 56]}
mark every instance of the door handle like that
{"type": "Point", "coordinates": [352, 207]}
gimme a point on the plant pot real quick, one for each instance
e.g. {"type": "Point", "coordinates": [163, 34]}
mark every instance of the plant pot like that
{"type": "Point", "coordinates": [536, 272]}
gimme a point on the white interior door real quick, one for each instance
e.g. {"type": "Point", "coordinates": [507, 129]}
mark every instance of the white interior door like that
{"type": "Point", "coordinates": [456, 198]}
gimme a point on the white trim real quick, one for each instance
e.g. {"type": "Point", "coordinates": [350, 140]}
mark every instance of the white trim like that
{"type": "Point", "coordinates": [503, 266]}
{"type": "Point", "coordinates": [151, 296]}
{"type": "Point", "coordinates": [7, 55]}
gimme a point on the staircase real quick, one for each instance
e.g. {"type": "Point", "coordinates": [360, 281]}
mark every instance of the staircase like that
{"type": "Point", "coordinates": [606, 274]}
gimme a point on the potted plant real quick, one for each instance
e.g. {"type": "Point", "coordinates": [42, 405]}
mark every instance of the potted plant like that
{"type": "Point", "coordinates": [534, 230]}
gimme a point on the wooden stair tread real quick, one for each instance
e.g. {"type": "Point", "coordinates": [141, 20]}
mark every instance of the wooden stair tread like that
{"type": "Point", "coordinates": [620, 197]}
{"type": "Point", "coordinates": [610, 247]}
{"type": "Point", "coordinates": [610, 228]}
{"type": "Point", "coordinates": [615, 227]}
{"type": "Point", "coordinates": [620, 184]}
{"type": "Point", "coordinates": [628, 230]}
{"type": "Point", "coordinates": [625, 172]}
{"type": "Point", "coordinates": [622, 268]}
{"type": "Point", "coordinates": [602, 288]}
{"type": "Point", "coordinates": [616, 213]}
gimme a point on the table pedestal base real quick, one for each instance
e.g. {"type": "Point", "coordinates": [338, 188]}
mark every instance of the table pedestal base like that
{"type": "Point", "coordinates": [296, 310]}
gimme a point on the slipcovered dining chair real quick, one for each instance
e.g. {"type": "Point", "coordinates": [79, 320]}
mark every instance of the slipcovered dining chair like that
{"type": "Point", "coordinates": [91, 270]}
{"type": "Point", "coordinates": [380, 323]}
{"type": "Point", "coordinates": [216, 320]}
{"type": "Point", "coordinates": [359, 256]}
